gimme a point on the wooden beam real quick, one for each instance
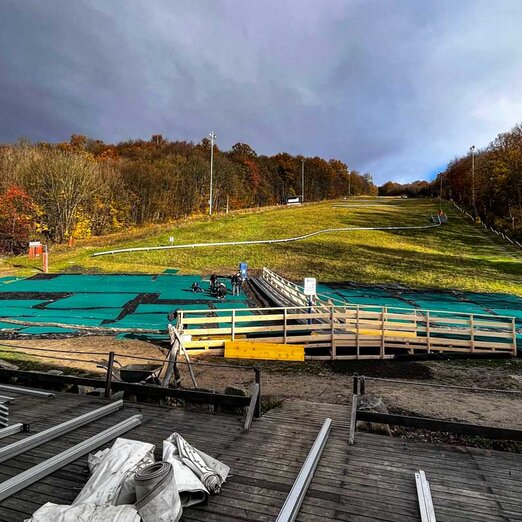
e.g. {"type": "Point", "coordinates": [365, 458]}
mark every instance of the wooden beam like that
{"type": "Point", "coordinates": [461, 428]}
{"type": "Point", "coordinates": [40, 379]}
{"type": "Point", "coordinates": [252, 406]}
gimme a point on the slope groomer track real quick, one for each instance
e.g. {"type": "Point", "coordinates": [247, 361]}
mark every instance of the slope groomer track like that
{"type": "Point", "coordinates": [261, 241]}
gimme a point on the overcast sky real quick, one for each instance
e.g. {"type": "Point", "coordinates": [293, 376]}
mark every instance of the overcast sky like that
{"type": "Point", "coordinates": [397, 88]}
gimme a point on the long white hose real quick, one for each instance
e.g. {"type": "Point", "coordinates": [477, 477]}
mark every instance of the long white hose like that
{"type": "Point", "coordinates": [261, 241]}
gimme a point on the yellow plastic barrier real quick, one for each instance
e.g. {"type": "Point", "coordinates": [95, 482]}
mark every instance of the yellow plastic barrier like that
{"type": "Point", "coordinates": [265, 351]}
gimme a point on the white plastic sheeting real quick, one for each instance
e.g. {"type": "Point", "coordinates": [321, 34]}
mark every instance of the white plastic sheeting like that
{"type": "Point", "coordinates": [156, 493]}
{"type": "Point", "coordinates": [126, 474]}
{"type": "Point", "coordinates": [210, 471]}
{"type": "Point", "coordinates": [112, 482]}
{"type": "Point", "coordinates": [191, 489]}
{"type": "Point", "coordinates": [85, 513]}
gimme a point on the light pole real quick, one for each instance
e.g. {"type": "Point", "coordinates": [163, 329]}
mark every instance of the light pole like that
{"type": "Point", "coordinates": [302, 180]}
{"type": "Point", "coordinates": [472, 150]}
{"type": "Point", "coordinates": [349, 183]}
{"type": "Point", "coordinates": [440, 192]}
{"type": "Point", "coordinates": [212, 139]}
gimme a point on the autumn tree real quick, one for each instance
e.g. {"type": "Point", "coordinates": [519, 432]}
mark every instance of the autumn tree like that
{"type": "Point", "coordinates": [19, 216]}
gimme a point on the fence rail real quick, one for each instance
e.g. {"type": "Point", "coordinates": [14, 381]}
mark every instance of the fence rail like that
{"type": "Point", "coordinates": [351, 331]}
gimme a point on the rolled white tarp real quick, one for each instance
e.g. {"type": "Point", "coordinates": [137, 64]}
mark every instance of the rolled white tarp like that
{"type": "Point", "coordinates": [113, 472]}
{"type": "Point", "coordinates": [211, 472]}
{"type": "Point", "coordinates": [85, 512]}
{"type": "Point", "coordinates": [156, 493]}
{"type": "Point", "coordinates": [191, 489]}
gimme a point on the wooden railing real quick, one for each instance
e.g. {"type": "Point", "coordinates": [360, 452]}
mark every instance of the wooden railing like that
{"type": "Point", "coordinates": [294, 292]}
{"type": "Point", "coordinates": [351, 331]}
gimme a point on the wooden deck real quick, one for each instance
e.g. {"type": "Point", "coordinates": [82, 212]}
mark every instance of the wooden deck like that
{"type": "Point", "coordinates": [372, 480]}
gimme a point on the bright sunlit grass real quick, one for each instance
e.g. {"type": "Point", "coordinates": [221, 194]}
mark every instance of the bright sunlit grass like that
{"type": "Point", "coordinates": [459, 255]}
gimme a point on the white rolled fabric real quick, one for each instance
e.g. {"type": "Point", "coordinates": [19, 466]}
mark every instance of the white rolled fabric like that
{"type": "Point", "coordinates": [84, 513]}
{"type": "Point", "coordinates": [157, 495]}
{"type": "Point", "coordinates": [191, 489]}
{"type": "Point", "coordinates": [211, 472]}
{"type": "Point", "coordinates": [112, 482]}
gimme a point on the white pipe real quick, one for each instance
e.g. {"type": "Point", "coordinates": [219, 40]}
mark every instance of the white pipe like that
{"type": "Point", "coordinates": [262, 241]}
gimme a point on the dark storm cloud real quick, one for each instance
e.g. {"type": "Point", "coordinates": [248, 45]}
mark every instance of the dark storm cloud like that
{"type": "Point", "coordinates": [397, 88]}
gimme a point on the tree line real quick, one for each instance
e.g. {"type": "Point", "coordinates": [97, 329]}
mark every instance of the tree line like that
{"type": "Point", "coordinates": [487, 181]}
{"type": "Point", "coordinates": [86, 187]}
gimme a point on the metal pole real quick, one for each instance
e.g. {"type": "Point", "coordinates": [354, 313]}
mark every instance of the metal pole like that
{"type": "Point", "coordinates": [212, 138]}
{"type": "Point", "coordinates": [349, 183]}
{"type": "Point", "coordinates": [108, 379]}
{"type": "Point", "coordinates": [302, 180]}
{"type": "Point", "coordinates": [353, 414]}
{"type": "Point", "coordinates": [472, 149]}
{"type": "Point", "coordinates": [297, 494]}
{"type": "Point", "coordinates": [23, 445]}
{"type": "Point", "coordinates": [34, 474]}
{"type": "Point", "coordinates": [14, 428]}
{"type": "Point", "coordinates": [26, 391]}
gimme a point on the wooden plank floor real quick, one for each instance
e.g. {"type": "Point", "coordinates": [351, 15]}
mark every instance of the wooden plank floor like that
{"type": "Point", "coordinates": [372, 480]}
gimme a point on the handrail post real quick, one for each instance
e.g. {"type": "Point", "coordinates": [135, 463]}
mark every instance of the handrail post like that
{"type": "Point", "coordinates": [233, 327]}
{"type": "Point", "coordinates": [382, 334]}
{"type": "Point", "coordinates": [472, 332]}
{"type": "Point", "coordinates": [257, 378]}
{"type": "Point", "coordinates": [108, 379]}
{"type": "Point", "coordinates": [514, 328]}
{"type": "Point", "coordinates": [332, 332]}
{"type": "Point", "coordinates": [285, 322]}
{"type": "Point", "coordinates": [357, 332]}
{"type": "Point", "coordinates": [428, 330]}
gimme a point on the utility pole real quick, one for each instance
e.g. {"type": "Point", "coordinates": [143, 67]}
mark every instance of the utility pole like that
{"type": "Point", "coordinates": [472, 150]}
{"type": "Point", "coordinates": [212, 139]}
{"type": "Point", "coordinates": [440, 192]}
{"type": "Point", "coordinates": [302, 180]}
{"type": "Point", "coordinates": [349, 183]}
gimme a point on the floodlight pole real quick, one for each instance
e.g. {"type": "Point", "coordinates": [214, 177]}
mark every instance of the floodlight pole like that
{"type": "Point", "coordinates": [212, 139]}
{"type": "Point", "coordinates": [302, 180]}
{"type": "Point", "coordinates": [472, 150]}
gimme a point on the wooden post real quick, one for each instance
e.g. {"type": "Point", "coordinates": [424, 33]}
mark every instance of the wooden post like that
{"type": "Point", "coordinates": [357, 332]}
{"type": "Point", "coordinates": [233, 324]}
{"type": "Point", "coordinates": [108, 379]}
{"type": "Point", "coordinates": [332, 332]}
{"type": "Point", "coordinates": [257, 374]}
{"type": "Point", "coordinates": [382, 334]}
{"type": "Point", "coordinates": [428, 331]}
{"type": "Point", "coordinates": [472, 332]}
{"type": "Point", "coordinates": [45, 259]}
{"type": "Point", "coordinates": [285, 313]}
{"type": "Point", "coordinates": [353, 415]}
{"type": "Point", "coordinates": [514, 329]}
{"type": "Point", "coordinates": [254, 394]}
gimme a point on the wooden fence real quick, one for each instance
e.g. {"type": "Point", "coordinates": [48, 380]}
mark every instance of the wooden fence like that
{"type": "Point", "coordinates": [331, 332]}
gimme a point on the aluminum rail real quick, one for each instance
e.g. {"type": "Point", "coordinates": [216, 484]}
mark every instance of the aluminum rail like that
{"type": "Point", "coordinates": [11, 430]}
{"type": "Point", "coordinates": [5, 398]}
{"type": "Point", "coordinates": [427, 512]}
{"type": "Point", "coordinates": [32, 475]}
{"type": "Point", "coordinates": [297, 494]}
{"type": "Point", "coordinates": [14, 449]}
{"type": "Point", "coordinates": [27, 391]}
{"type": "Point", "coordinates": [260, 241]}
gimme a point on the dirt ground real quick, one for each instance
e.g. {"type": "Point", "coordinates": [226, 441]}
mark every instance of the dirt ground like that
{"type": "Point", "coordinates": [318, 382]}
